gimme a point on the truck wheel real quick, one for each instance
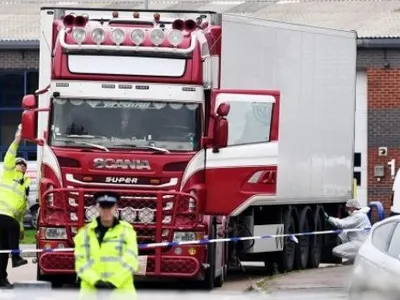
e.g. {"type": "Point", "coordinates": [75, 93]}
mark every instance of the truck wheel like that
{"type": "Point", "coordinates": [289, 247]}
{"type": "Point", "coordinates": [316, 241]}
{"type": "Point", "coordinates": [303, 247]}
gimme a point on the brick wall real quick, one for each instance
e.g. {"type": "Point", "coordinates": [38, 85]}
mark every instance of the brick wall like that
{"type": "Point", "coordinates": [24, 59]}
{"type": "Point", "coordinates": [383, 129]}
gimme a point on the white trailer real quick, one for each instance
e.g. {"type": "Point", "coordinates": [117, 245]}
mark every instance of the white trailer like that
{"type": "Point", "coordinates": [315, 71]}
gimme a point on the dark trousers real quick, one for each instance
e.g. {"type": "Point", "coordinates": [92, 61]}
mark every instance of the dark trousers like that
{"type": "Point", "coordinates": [9, 239]}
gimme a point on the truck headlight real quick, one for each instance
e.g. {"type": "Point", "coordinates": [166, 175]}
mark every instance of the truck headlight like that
{"type": "Point", "coordinates": [91, 212]}
{"type": "Point", "coordinates": [146, 215]}
{"type": "Point", "coordinates": [192, 201]}
{"type": "Point", "coordinates": [128, 214]}
{"type": "Point", "coordinates": [184, 236]}
{"type": "Point", "coordinates": [53, 233]}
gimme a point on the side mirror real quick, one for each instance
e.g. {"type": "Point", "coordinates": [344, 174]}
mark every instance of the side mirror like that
{"type": "Point", "coordinates": [223, 109]}
{"type": "Point", "coordinates": [29, 102]}
{"type": "Point", "coordinates": [221, 127]}
{"type": "Point", "coordinates": [29, 125]}
{"type": "Point", "coordinates": [220, 133]}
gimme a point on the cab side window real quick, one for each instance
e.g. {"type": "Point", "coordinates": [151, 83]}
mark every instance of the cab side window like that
{"type": "Point", "coordinates": [394, 245]}
{"type": "Point", "coordinates": [249, 122]}
{"type": "Point", "coordinates": [381, 236]}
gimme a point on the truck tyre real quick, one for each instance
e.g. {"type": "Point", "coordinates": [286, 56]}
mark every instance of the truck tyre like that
{"type": "Point", "coordinates": [316, 241]}
{"type": "Point", "coordinates": [330, 242]}
{"type": "Point", "coordinates": [289, 248]}
{"type": "Point", "coordinates": [303, 247]}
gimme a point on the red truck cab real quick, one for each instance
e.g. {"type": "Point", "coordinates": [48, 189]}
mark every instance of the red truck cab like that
{"type": "Point", "coordinates": [127, 107]}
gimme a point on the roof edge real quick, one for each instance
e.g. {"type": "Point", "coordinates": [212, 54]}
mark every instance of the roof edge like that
{"type": "Point", "coordinates": [19, 45]}
{"type": "Point", "coordinates": [378, 42]}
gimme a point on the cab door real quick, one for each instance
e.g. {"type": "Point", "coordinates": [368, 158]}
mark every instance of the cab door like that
{"type": "Point", "coordinates": [245, 171]}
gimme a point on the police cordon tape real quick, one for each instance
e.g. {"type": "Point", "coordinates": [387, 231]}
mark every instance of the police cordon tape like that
{"type": "Point", "coordinates": [292, 236]}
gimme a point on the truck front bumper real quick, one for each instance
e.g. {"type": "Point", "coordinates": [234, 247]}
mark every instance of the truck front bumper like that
{"type": "Point", "coordinates": [178, 262]}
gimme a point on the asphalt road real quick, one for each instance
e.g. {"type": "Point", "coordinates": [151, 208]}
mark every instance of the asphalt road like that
{"type": "Point", "coordinates": [324, 283]}
{"type": "Point", "coordinates": [236, 281]}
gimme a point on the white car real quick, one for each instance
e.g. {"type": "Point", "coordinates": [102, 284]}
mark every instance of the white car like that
{"type": "Point", "coordinates": [376, 268]}
{"type": "Point", "coordinates": [30, 219]}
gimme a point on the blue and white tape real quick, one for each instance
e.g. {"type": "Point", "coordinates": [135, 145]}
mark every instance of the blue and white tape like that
{"type": "Point", "coordinates": [292, 236]}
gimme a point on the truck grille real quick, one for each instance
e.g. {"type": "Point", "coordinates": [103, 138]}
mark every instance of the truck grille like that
{"type": "Point", "coordinates": [141, 210]}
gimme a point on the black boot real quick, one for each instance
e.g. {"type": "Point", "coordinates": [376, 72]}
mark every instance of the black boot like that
{"type": "Point", "coordinates": [5, 284]}
{"type": "Point", "coordinates": [18, 261]}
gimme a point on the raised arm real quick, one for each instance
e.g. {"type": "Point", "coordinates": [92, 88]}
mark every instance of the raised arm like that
{"type": "Point", "coordinates": [9, 159]}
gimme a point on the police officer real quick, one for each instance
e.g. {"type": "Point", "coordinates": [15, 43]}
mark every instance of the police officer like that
{"type": "Point", "coordinates": [106, 250]}
{"type": "Point", "coordinates": [14, 190]}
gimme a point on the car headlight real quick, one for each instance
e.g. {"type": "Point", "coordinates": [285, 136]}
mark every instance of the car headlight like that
{"type": "Point", "coordinates": [184, 236]}
{"type": "Point", "coordinates": [51, 233]}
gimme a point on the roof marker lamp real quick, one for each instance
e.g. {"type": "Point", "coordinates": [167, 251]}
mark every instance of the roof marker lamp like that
{"type": "Point", "coordinates": [175, 37]}
{"type": "Point", "coordinates": [157, 36]}
{"type": "Point", "coordinates": [137, 36]}
{"type": "Point", "coordinates": [79, 35]}
{"type": "Point", "coordinates": [98, 35]}
{"type": "Point", "coordinates": [118, 36]}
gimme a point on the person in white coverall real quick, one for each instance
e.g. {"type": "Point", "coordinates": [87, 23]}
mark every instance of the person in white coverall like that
{"type": "Point", "coordinates": [351, 241]}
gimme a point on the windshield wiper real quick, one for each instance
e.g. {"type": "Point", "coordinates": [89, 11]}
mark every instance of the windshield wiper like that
{"type": "Point", "coordinates": [160, 150]}
{"type": "Point", "coordinates": [88, 144]}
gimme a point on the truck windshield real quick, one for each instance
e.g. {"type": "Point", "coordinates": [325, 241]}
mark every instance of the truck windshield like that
{"type": "Point", "coordinates": [121, 124]}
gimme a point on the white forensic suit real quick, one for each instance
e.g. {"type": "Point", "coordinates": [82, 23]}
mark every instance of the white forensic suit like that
{"type": "Point", "coordinates": [351, 241]}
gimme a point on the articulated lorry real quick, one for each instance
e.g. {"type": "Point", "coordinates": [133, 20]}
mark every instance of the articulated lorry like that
{"type": "Point", "coordinates": [208, 125]}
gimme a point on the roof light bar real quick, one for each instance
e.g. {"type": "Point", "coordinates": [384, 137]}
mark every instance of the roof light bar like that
{"type": "Point", "coordinates": [137, 36]}
{"type": "Point", "coordinates": [118, 36]}
{"type": "Point", "coordinates": [98, 35]}
{"type": "Point", "coordinates": [175, 37]}
{"type": "Point", "coordinates": [69, 20]}
{"type": "Point", "coordinates": [79, 35]}
{"type": "Point", "coordinates": [157, 36]}
{"type": "Point", "coordinates": [178, 24]}
{"type": "Point", "coordinates": [190, 25]}
{"type": "Point", "coordinates": [80, 21]}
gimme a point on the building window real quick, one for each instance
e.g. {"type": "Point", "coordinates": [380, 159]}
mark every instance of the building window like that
{"type": "Point", "coordinates": [14, 84]}
{"type": "Point", "coordinates": [357, 159]}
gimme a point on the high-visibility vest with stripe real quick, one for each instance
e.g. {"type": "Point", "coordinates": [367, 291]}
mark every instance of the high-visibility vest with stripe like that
{"type": "Point", "coordinates": [115, 260]}
{"type": "Point", "coordinates": [13, 188]}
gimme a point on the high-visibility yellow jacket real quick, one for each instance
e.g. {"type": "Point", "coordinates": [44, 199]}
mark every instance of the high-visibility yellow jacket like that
{"type": "Point", "coordinates": [14, 188]}
{"type": "Point", "coordinates": [115, 260]}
